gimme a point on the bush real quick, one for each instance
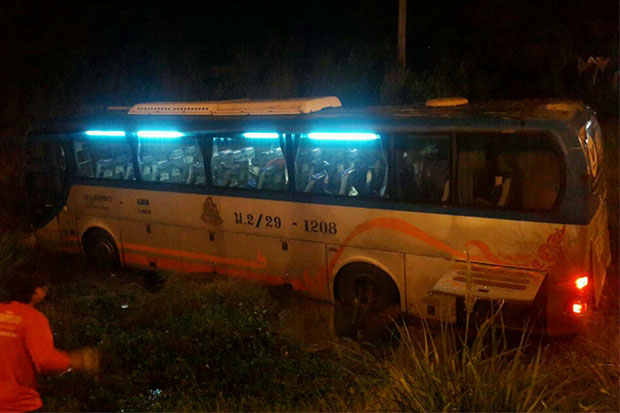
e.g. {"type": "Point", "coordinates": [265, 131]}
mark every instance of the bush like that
{"type": "Point", "coordinates": [447, 373]}
{"type": "Point", "coordinates": [195, 345]}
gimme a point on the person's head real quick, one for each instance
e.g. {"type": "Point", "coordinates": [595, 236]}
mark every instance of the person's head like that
{"type": "Point", "coordinates": [27, 286]}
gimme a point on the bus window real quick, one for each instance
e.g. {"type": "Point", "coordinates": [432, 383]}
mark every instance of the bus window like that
{"type": "Point", "coordinates": [341, 164]}
{"type": "Point", "coordinates": [422, 165]}
{"type": "Point", "coordinates": [515, 171]}
{"type": "Point", "coordinates": [171, 161]}
{"type": "Point", "coordinates": [249, 161]}
{"type": "Point", "coordinates": [109, 159]}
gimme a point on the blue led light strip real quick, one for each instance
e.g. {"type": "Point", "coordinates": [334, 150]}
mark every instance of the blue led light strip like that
{"type": "Point", "coordinates": [261, 135]}
{"type": "Point", "coordinates": [118, 133]}
{"type": "Point", "coordinates": [159, 134]}
{"type": "Point", "coordinates": [343, 136]}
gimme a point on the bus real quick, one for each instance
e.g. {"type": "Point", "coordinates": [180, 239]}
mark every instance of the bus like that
{"type": "Point", "coordinates": [415, 207]}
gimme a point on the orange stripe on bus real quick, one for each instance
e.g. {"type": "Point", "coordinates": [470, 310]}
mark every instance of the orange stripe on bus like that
{"type": "Point", "coordinates": [260, 262]}
{"type": "Point", "coordinates": [316, 284]}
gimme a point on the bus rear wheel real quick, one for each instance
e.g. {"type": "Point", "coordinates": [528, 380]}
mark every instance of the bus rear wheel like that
{"type": "Point", "coordinates": [101, 250]}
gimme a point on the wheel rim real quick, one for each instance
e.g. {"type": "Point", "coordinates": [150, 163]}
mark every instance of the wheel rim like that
{"type": "Point", "coordinates": [366, 292]}
{"type": "Point", "coordinates": [104, 254]}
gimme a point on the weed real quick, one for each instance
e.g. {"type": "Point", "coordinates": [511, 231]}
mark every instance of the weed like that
{"type": "Point", "coordinates": [193, 345]}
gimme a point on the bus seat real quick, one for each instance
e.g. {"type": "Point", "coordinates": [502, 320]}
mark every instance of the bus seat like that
{"type": "Point", "coordinates": [176, 154]}
{"type": "Point", "coordinates": [317, 183]}
{"type": "Point", "coordinates": [129, 175]}
{"type": "Point", "coordinates": [196, 175]}
{"type": "Point", "coordinates": [178, 169]}
{"type": "Point", "coordinates": [226, 158]}
{"type": "Point", "coordinates": [82, 157]}
{"type": "Point", "coordinates": [510, 195]}
{"type": "Point", "coordinates": [334, 172]}
{"type": "Point", "coordinates": [121, 163]}
{"type": "Point", "coordinates": [446, 191]}
{"type": "Point", "coordinates": [200, 179]}
{"type": "Point", "coordinates": [105, 168]}
{"type": "Point", "coordinates": [249, 153]}
{"type": "Point", "coordinates": [177, 175]}
{"type": "Point", "coordinates": [272, 177]}
{"type": "Point", "coordinates": [374, 179]}
{"type": "Point", "coordinates": [161, 171]}
{"type": "Point", "coordinates": [221, 164]}
{"type": "Point", "coordinates": [235, 177]}
{"type": "Point", "coordinates": [493, 189]}
{"type": "Point", "coordinates": [309, 163]}
{"type": "Point", "coordinates": [346, 181]}
{"type": "Point", "coordinates": [189, 155]}
{"type": "Point", "coordinates": [264, 176]}
{"type": "Point", "coordinates": [505, 193]}
{"type": "Point", "coordinates": [351, 158]}
{"type": "Point", "coordinates": [302, 170]}
{"type": "Point", "coordinates": [146, 168]}
{"type": "Point", "coordinates": [541, 180]}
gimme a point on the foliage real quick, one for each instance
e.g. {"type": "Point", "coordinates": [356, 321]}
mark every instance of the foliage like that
{"type": "Point", "coordinates": [13, 252]}
{"type": "Point", "coordinates": [12, 193]}
{"type": "Point", "coordinates": [443, 373]}
{"type": "Point", "coordinates": [457, 78]}
{"type": "Point", "coordinates": [194, 345]}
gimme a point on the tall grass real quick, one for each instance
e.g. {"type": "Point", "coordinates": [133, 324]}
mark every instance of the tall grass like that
{"type": "Point", "coordinates": [456, 372]}
{"type": "Point", "coordinates": [446, 373]}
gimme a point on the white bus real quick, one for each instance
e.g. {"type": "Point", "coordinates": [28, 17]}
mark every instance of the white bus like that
{"type": "Point", "coordinates": [371, 207]}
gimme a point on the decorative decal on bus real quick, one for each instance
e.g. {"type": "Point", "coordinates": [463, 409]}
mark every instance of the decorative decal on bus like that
{"type": "Point", "coordinates": [97, 201]}
{"type": "Point", "coordinates": [548, 257]}
{"type": "Point", "coordinates": [210, 213]}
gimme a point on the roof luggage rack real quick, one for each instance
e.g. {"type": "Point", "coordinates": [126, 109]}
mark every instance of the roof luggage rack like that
{"type": "Point", "coordinates": [237, 107]}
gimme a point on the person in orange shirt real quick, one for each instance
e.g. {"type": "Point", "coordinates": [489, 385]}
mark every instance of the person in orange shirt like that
{"type": "Point", "coordinates": [27, 345]}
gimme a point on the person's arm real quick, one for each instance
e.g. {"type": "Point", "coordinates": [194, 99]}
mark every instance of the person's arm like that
{"type": "Point", "coordinates": [46, 358]}
{"type": "Point", "coordinates": [40, 345]}
{"type": "Point", "coordinates": [86, 359]}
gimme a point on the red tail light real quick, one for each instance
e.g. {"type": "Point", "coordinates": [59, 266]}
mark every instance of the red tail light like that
{"type": "Point", "coordinates": [581, 282]}
{"type": "Point", "coordinates": [578, 307]}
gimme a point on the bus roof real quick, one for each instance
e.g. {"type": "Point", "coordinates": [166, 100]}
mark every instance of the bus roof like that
{"type": "Point", "coordinates": [515, 109]}
{"type": "Point", "coordinates": [219, 115]}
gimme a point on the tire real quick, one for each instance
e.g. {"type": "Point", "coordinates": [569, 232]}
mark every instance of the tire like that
{"type": "Point", "coordinates": [366, 293]}
{"type": "Point", "coordinates": [101, 250]}
{"type": "Point", "coordinates": [367, 287]}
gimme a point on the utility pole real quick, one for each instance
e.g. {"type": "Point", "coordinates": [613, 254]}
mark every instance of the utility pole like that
{"type": "Point", "coordinates": [402, 33]}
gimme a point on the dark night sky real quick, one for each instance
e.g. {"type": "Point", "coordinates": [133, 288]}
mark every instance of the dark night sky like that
{"type": "Point", "coordinates": [109, 52]}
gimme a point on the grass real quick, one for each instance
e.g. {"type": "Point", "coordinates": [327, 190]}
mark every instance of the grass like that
{"type": "Point", "coordinates": [486, 374]}
{"type": "Point", "coordinates": [197, 343]}
{"type": "Point", "coordinates": [192, 345]}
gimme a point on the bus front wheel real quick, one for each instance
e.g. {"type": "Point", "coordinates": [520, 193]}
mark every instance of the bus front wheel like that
{"type": "Point", "coordinates": [101, 250]}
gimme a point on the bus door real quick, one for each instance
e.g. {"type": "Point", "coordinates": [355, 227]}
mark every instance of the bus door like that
{"type": "Point", "coordinates": [47, 184]}
{"type": "Point", "coordinates": [100, 163]}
